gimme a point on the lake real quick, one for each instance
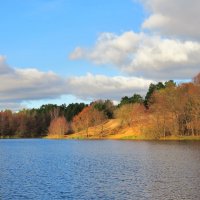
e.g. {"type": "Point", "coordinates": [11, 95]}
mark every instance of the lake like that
{"type": "Point", "coordinates": [72, 169]}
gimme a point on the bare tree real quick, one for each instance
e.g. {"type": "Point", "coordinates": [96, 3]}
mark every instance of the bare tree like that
{"type": "Point", "coordinates": [58, 126]}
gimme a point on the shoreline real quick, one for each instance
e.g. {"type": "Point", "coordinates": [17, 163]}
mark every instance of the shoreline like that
{"type": "Point", "coordinates": [130, 138]}
{"type": "Point", "coordinates": [134, 138]}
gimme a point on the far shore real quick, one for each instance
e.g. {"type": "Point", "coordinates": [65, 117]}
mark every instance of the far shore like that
{"type": "Point", "coordinates": [134, 138]}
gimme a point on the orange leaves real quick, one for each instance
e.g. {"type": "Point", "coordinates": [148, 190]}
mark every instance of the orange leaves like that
{"type": "Point", "coordinates": [58, 126]}
{"type": "Point", "coordinates": [89, 116]}
{"type": "Point", "coordinates": [177, 109]}
{"type": "Point", "coordinates": [130, 113]}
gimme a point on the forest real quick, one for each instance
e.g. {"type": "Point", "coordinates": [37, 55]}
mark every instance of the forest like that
{"type": "Point", "coordinates": [167, 109]}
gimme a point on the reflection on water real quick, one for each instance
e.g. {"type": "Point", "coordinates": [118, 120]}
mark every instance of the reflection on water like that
{"type": "Point", "coordinates": [63, 169]}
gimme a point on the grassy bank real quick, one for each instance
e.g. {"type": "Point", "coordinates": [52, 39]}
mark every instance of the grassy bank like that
{"type": "Point", "coordinates": [171, 138]}
{"type": "Point", "coordinates": [114, 130]}
{"type": "Point", "coordinates": [133, 137]}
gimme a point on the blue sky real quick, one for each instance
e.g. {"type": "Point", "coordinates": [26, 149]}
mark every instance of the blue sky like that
{"type": "Point", "coordinates": [61, 51]}
{"type": "Point", "coordinates": [42, 33]}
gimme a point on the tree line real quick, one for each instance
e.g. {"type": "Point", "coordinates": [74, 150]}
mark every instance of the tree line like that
{"type": "Point", "coordinates": [167, 109]}
{"type": "Point", "coordinates": [30, 123]}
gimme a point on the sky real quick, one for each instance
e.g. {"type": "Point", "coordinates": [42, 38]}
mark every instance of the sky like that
{"type": "Point", "coordinates": [64, 51]}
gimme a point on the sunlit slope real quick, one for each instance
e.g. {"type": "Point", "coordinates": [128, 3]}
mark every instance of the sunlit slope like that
{"type": "Point", "coordinates": [111, 129]}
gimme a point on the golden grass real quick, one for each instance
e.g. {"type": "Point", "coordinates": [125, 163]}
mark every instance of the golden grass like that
{"type": "Point", "coordinates": [113, 129]}
{"type": "Point", "coordinates": [181, 138]}
{"type": "Point", "coordinates": [55, 137]}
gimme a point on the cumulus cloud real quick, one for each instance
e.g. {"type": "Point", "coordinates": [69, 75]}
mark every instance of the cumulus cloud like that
{"type": "Point", "coordinates": [144, 55]}
{"type": "Point", "coordinates": [170, 48]}
{"type": "Point", "coordinates": [25, 84]}
{"type": "Point", "coordinates": [4, 68]}
{"type": "Point", "coordinates": [110, 48]}
{"type": "Point", "coordinates": [104, 87]}
{"type": "Point", "coordinates": [174, 18]}
{"type": "Point", "coordinates": [19, 85]}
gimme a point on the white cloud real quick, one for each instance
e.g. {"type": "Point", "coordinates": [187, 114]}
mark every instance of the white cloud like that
{"type": "Point", "coordinates": [174, 17]}
{"type": "Point", "coordinates": [4, 68]}
{"type": "Point", "coordinates": [20, 85]}
{"type": "Point", "coordinates": [23, 84]}
{"type": "Point", "coordinates": [144, 55]}
{"type": "Point", "coordinates": [11, 106]}
{"type": "Point", "coordinates": [100, 86]}
{"type": "Point", "coordinates": [170, 48]}
{"type": "Point", "coordinates": [110, 48]}
{"type": "Point", "coordinates": [166, 59]}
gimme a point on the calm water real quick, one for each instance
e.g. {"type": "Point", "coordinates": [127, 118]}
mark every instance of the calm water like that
{"type": "Point", "coordinates": [63, 169]}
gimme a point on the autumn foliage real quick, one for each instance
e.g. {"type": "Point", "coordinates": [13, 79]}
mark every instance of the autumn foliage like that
{"type": "Point", "coordinates": [176, 111]}
{"type": "Point", "coordinates": [130, 113]}
{"type": "Point", "coordinates": [89, 116]}
{"type": "Point", "coordinates": [166, 110]}
{"type": "Point", "coordinates": [58, 127]}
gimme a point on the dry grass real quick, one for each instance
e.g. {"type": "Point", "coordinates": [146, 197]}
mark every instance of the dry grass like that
{"type": "Point", "coordinates": [114, 129]}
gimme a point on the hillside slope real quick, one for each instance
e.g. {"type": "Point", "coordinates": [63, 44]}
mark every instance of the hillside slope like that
{"type": "Point", "coordinates": [111, 129]}
{"type": "Point", "coordinates": [114, 129]}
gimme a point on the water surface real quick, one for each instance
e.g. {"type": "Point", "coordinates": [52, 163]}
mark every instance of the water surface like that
{"type": "Point", "coordinates": [70, 169]}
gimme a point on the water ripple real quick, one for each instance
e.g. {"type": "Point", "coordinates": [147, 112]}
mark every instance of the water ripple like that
{"type": "Point", "coordinates": [84, 170]}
